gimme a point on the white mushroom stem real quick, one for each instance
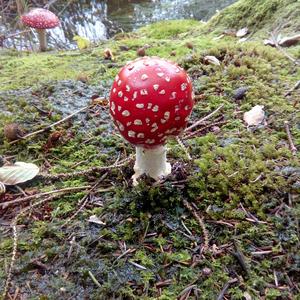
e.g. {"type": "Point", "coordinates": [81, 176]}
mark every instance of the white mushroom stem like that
{"type": "Point", "coordinates": [152, 162]}
{"type": "Point", "coordinates": [42, 39]}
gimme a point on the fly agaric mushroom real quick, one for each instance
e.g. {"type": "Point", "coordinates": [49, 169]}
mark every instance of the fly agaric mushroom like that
{"type": "Point", "coordinates": [40, 19]}
{"type": "Point", "coordinates": [150, 100]}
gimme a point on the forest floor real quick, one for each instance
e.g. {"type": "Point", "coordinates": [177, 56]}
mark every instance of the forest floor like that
{"type": "Point", "coordinates": [223, 225]}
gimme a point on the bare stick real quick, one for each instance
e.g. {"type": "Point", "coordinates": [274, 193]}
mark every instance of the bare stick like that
{"type": "Point", "coordinates": [52, 125]}
{"type": "Point", "coordinates": [65, 191]}
{"type": "Point", "coordinates": [295, 87]}
{"type": "Point", "coordinates": [184, 148]}
{"type": "Point", "coordinates": [200, 222]}
{"type": "Point", "coordinates": [88, 171]}
{"type": "Point", "coordinates": [289, 135]}
{"type": "Point", "coordinates": [204, 119]}
{"type": "Point", "coordinates": [187, 136]}
{"type": "Point", "coordinates": [225, 288]}
{"type": "Point", "coordinates": [275, 40]}
{"type": "Point", "coordinates": [15, 241]}
{"type": "Point", "coordinates": [85, 200]}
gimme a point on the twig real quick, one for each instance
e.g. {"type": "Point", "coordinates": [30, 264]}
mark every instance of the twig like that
{"type": "Point", "coordinates": [225, 288]}
{"type": "Point", "coordinates": [289, 135]}
{"type": "Point", "coordinates": [51, 125]}
{"type": "Point", "coordinates": [204, 118]}
{"type": "Point", "coordinates": [274, 38]}
{"type": "Point", "coordinates": [17, 33]}
{"type": "Point", "coordinates": [65, 191]}
{"type": "Point", "coordinates": [200, 222]}
{"type": "Point", "coordinates": [187, 136]}
{"type": "Point", "coordinates": [85, 200]}
{"type": "Point", "coordinates": [94, 279]}
{"type": "Point", "coordinates": [295, 87]}
{"type": "Point", "coordinates": [15, 241]}
{"type": "Point", "coordinates": [184, 148]}
{"type": "Point", "coordinates": [88, 171]}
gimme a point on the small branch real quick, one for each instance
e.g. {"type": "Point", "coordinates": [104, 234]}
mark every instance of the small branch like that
{"type": "Point", "coordinates": [50, 126]}
{"type": "Point", "coordinates": [94, 279]}
{"type": "Point", "coordinates": [87, 172]}
{"type": "Point", "coordinates": [295, 87]}
{"type": "Point", "coordinates": [39, 195]}
{"type": "Point", "coordinates": [225, 288]}
{"type": "Point", "coordinates": [15, 241]}
{"type": "Point", "coordinates": [204, 119]}
{"type": "Point", "coordinates": [192, 134]}
{"type": "Point", "coordinates": [184, 148]}
{"type": "Point", "coordinates": [200, 222]}
{"type": "Point", "coordinates": [289, 135]}
{"type": "Point", "coordinates": [85, 200]}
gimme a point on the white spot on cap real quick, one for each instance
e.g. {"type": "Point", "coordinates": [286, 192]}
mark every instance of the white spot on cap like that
{"type": "Point", "coordinates": [149, 105]}
{"type": "Point", "coordinates": [155, 86]}
{"type": "Point", "coordinates": [131, 133]}
{"type": "Point", "coordinates": [130, 67]}
{"type": "Point", "coordinates": [144, 92]}
{"type": "Point", "coordinates": [140, 135]}
{"type": "Point", "coordinates": [177, 118]}
{"type": "Point", "coordinates": [114, 90]}
{"type": "Point", "coordinates": [144, 77]}
{"type": "Point", "coordinates": [162, 92]}
{"type": "Point", "coordinates": [160, 74]}
{"type": "Point", "coordinates": [117, 78]}
{"type": "Point", "coordinates": [126, 113]}
{"type": "Point", "coordinates": [139, 105]}
{"type": "Point", "coordinates": [183, 86]}
{"type": "Point", "coordinates": [150, 141]}
{"type": "Point", "coordinates": [125, 99]}
{"type": "Point", "coordinates": [128, 124]}
{"type": "Point", "coordinates": [167, 115]}
{"type": "Point", "coordinates": [137, 122]}
{"type": "Point", "coordinates": [160, 134]}
{"type": "Point", "coordinates": [127, 88]}
{"type": "Point", "coordinates": [163, 121]}
{"type": "Point", "coordinates": [119, 82]}
{"type": "Point", "coordinates": [168, 79]}
{"type": "Point", "coordinates": [147, 120]}
{"type": "Point", "coordinates": [187, 107]}
{"type": "Point", "coordinates": [119, 108]}
{"type": "Point", "coordinates": [120, 126]}
{"type": "Point", "coordinates": [155, 108]}
{"type": "Point", "coordinates": [120, 94]}
{"type": "Point", "coordinates": [135, 95]}
{"type": "Point", "coordinates": [173, 96]}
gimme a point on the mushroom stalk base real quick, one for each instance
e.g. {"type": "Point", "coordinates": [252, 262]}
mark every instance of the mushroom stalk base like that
{"type": "Point", "coordinates": [152, 162]}
{"type": "Point", "coordinates": [42, 39]}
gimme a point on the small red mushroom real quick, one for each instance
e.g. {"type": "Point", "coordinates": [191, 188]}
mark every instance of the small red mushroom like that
{"type": "Point", "coordinates": [150, 100]}
{"type": "Point", "coordinates": [40, 19]}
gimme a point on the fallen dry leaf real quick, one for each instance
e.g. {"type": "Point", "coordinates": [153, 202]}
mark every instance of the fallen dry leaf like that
{"type": "Point", "coordinates": [255, 116]}
{"type": "Point", "coordinates": [94, 219]}
{"type": "Point", "coordinates": [289, 41]}
{"type": "Point", "coordinates": [18, 173]}
{"type": "Point", "coordinates": [212, 60]}
{"type": "Point", "coordinates": [242, 32]}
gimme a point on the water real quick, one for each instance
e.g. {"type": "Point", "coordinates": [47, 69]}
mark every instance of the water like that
{"type": "Point", "coordinates": [99, 20]}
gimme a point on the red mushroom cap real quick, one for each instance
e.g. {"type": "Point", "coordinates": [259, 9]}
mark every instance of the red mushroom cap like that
{"type": "Point", "coordinates": [151, 99]}
{"type": "Point", "coordinates": [40, 18]}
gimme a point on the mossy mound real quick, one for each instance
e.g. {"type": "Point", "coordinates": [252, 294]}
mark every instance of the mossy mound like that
{"type": "Point", "coordinates": [145, 242]}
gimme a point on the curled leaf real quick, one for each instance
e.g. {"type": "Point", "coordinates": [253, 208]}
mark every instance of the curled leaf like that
{"type": "Point", "coordinates": [2, 188]}
{"type": "Point", "coordinates": [255, 116]}
{"type": "Point", "coordinates": [242, 32]}
{"type": "Point", "coordinates": [94, 219]}
{"type": "Point", "coordinates": [18, 173]}
{"type": "Point", "coordinates": [212, 60]}
{"type": "Point", "coordinates": [289, 41]}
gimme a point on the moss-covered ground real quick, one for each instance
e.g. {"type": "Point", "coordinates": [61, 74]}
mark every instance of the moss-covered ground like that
{"type": "Point", "coordinates": [147, 245]}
